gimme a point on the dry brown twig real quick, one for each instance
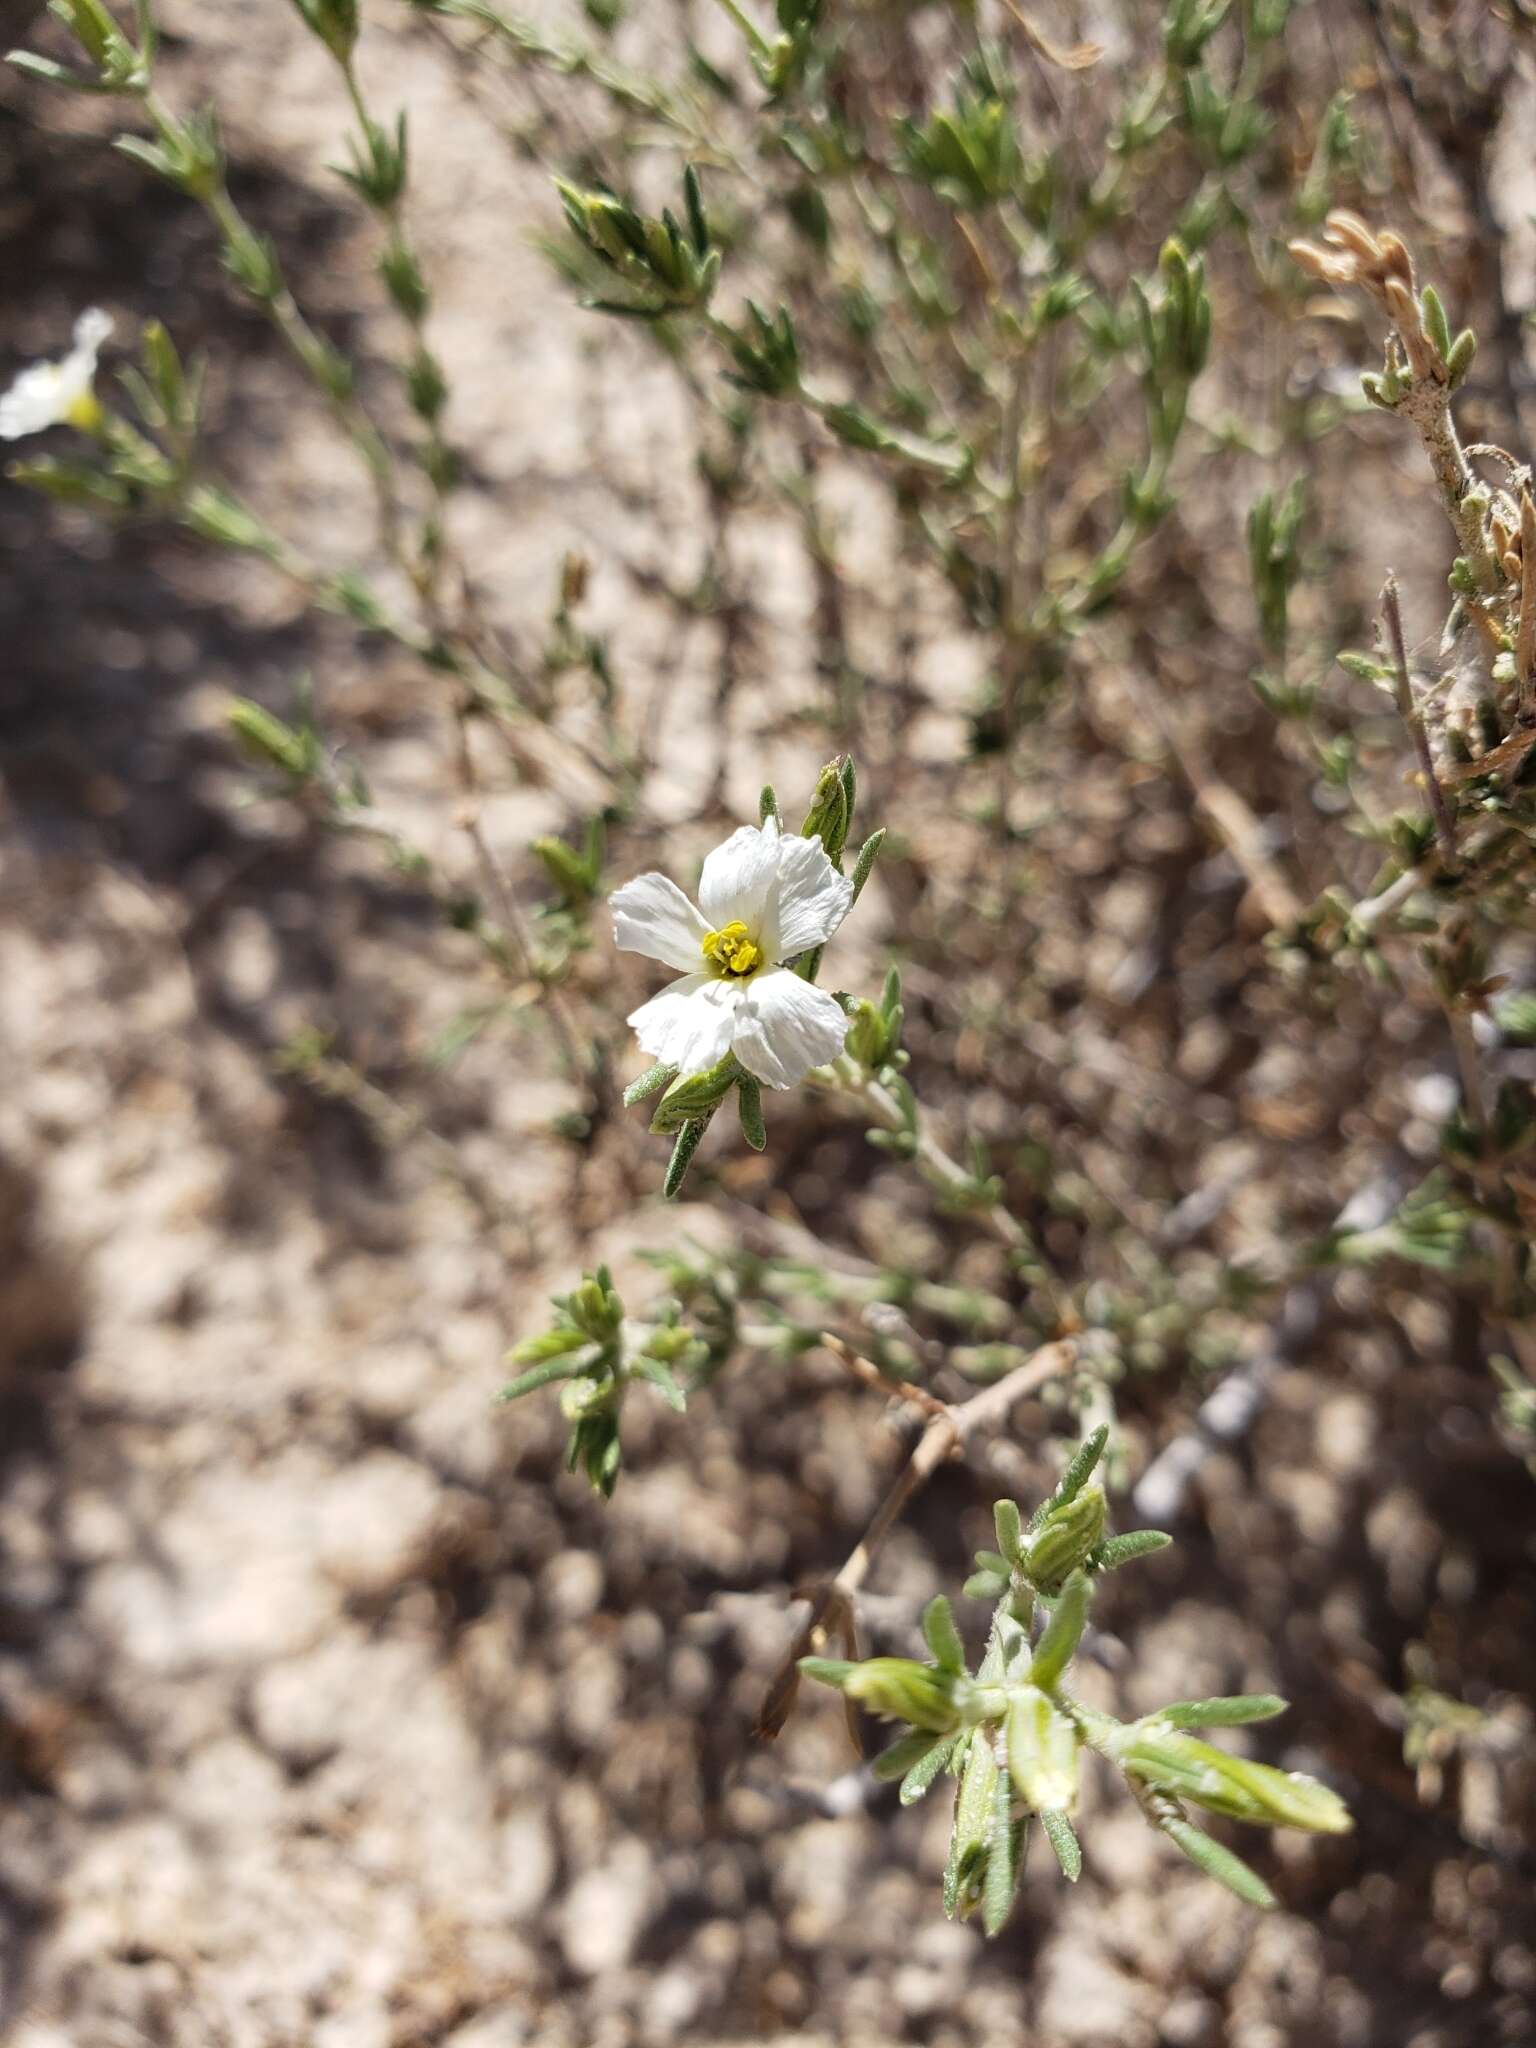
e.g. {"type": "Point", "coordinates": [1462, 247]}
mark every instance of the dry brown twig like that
{"type": "Point", "coordinates": [1421, 374]}
{"type": "Point", "coordinates": [1525, 635]}
{"type": "Point", "coordinates": [946, 1436]}
{"type": "Point", "coordinates": [1236, 823]}
{"type": "Point", "coordinates": [1413, 717]}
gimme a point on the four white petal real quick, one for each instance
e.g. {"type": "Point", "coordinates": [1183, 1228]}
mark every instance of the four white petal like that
{"type": "Point", "coordinates": [45, 394]}
{"type": "Point", "coordinates": [788, 896]}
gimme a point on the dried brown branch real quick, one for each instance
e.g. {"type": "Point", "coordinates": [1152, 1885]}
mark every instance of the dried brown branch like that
{"type": "Point", "coordinates": [1413, 718]}
{"type": "Point", "coordinates": [866, 1370]}
{"type": "Point", "coordinates": [946, 1436]}
{"type": "Point", "coordinates": [1236, 824]}
{"type": "Point", "coordinates": [1525, 638]}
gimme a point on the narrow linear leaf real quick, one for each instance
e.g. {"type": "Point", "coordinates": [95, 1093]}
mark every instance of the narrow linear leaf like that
{"type": "Point", "coordinates": [1009, 1524]}
{"type": "Point", "coordinates": [537, 1376]}
{"type": "Point", "coordinates": [1062, 1838]}
{"type": "Point", "coordinates": [975, 1802]}
{"type": "Point", "coordinates": [658, 1374]}
{"type": "Point", "coordinates": [827, 1670]}
{"type": "Point", "coordinates": [749, 1104]}
{"type": "Point", "coordinates": [1063, 1632]}
{"type": "Point", "coordinates": [548, 1344]}
{"type": "Point", "coordinates": [1077, 1474]}
{"type": "Point", "coordinates": [1118, 1550]}
{"type": "Point", "coordinates": [688, 1141]}
{"type": "Point", "coordinates": [1005, 1859]}
{"type": "Point", "coordinates": [1219, 1862]}
{"type": "Point", "coordinates": [864, 866]}
{"type": "Point", "coordinates": [848, 776]}
{"type": "Point", "coordinates": [941, 1635]}
{"type": "Point", "coordinates": [904, 1756]}
{"type": "Point", "coordinates": [648, 1083]}
{"type": "Point", "coordinates": [985, 1585]}
{"type": "Point", "coordinates": [923, 1773]}
{"type": "Point", "coordinates": [1230, 1712]}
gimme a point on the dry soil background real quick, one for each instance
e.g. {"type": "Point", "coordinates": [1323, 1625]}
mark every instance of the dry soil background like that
{"type": "Point", "coordinates": [332, 1715]}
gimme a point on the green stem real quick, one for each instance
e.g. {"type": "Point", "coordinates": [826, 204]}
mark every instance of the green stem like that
{"type": "Point", "coordinates": [946, 1173]}
{"type": "Point", "coordinates": [748, 28]}
{"type": "Point", "coordinates": [434, 457]}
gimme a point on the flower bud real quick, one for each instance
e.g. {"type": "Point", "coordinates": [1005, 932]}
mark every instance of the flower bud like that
{"type": "Point", "coordinates": [594, 1307]}
{"type": "Point", "coordinates": [1064, 1539]}
{"type": "Point", "coordinates": [867, 1035]}
{"type": "Point", "coordinates": [1042, 1752]}
{"type": "Point", "coordinates": [1183, 1766]}
{"type": "Point", "coordinates": [895, 1688]}
{"type": "Point", "coordinates": [334, 22]}
{"type": "Point", "coordinates": [590, 1395]}
{"type": "Point", "coordinates": [899, 1689]}
{"type": "Point", "coordinates": [830, 813]}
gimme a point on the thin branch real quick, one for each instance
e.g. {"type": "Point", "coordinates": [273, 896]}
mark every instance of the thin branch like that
{"type": "Point", "coordinates": [1413, 718]}
{"type": "Point", "coordinates": [497, 883]}
{"type": "Point", "coordinates": [947, 1435]}
{"type": "Point", "coordinates": [866, 1370]}
{"type": "Point", "coordinates": [1237, 824]}
{"type": "Point", "coordinates": [948, 1174]}
{"type": "Point", "coordinates": [1525, 640]}
{"type": "Point", "coordinates": [1010, 651]}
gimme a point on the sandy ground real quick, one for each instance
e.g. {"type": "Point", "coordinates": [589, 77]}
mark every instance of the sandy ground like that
{"type": "Point", "coordinates": [331, 1712]}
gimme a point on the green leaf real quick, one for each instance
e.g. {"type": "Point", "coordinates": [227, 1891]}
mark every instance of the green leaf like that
{"type": "Point", "coordinates": [828, 1670]}
{"type": "Point", "coordinates": [1231, 1712]}
{"type": "Point", "coordinates": [1076, 1476]}
{"type": "Point", "coordinates": [1218, 1862]}
{"type": "Point", "coordinates": [941, 1635]}
{"type": "Point", "coordinates": [1118, 1550]}
{"type": "Point", "coordinates": [658, 1374]}
{"type": "Point", "coordinates": [50, 73]}
{"type": "Point", "coordinates": [908, 1753]}
{"type": "Point", "coordinates": [974, 1803]}
{"type": "Point", "coordinates": [1436, 325]}
{"type": "Point", "coordinates": [923, 1773]}
{"type": "Point", "coordinates": [986, 1585]}
{"type": "Point", "coordinates": [648, 1083]}
{"type": "Point", "coordinates": [688, 1141]}
{"type": "Point", "coordinates": [863, 867]}
{"type": "Point", "coordinates": [1009, 1525]}
{"type": "Point", "coordinates": [693, 199]}
{"type": "Point", "coordinates": [539, 1376]}
{"type": "Point", "coordinates": [1060, 1834]}
{"type": "Point", "coordinates": [1005, 1859]}
{"type": "Point", "coordinates": [1063, 1632]}
{"type": "Point", "coordinates": [548, 1344]}
{"type": "Point", "coordinates": [749, 1106]}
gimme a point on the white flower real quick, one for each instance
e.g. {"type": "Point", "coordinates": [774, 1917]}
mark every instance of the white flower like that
{"type": "Point", "coordinates": [764, 896]}
{"type": "Point", "coordinates": [46, 394]}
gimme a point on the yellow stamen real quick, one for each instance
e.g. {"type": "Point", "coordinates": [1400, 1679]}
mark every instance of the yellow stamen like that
{"type": "Point", "coordinates": [85, 413]}
{"type": "Point", "coordinates": [731, 950]}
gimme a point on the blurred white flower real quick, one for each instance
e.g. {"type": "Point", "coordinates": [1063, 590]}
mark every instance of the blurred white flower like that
{"type": "Point", "coordinates": [48, 394]}
{"type": "Point", "coordinates": [764, 896]}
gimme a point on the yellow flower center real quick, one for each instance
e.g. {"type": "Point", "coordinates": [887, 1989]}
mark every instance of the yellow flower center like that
{"type": "Point", "coordinates": [85, 413]}
{"type": "Point", "coordinates": [731, 950]}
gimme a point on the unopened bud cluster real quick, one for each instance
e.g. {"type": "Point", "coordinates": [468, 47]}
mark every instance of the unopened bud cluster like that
{"type": "Point", "coordinates": [1013, 1737]}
